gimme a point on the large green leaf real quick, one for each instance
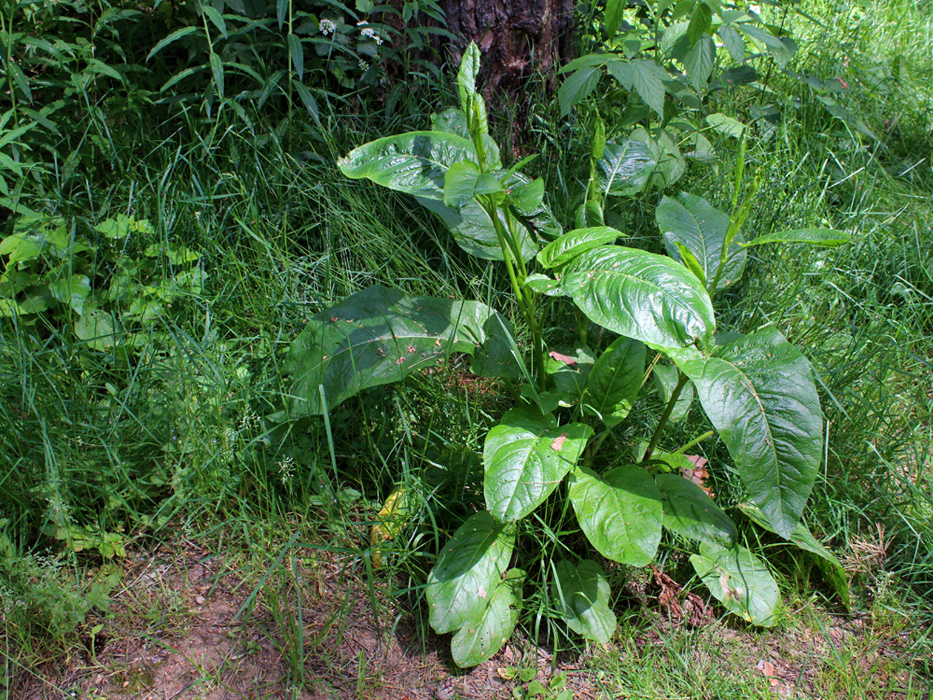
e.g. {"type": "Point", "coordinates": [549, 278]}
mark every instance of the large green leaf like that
{"type": "Point", "coordinates": [625, 167]}
{"type": "Point", "coordinates": [640, 295]}
{"type": "Point", "coordinates": [473, 231]}
{"type": "Point", "coordinates": [468, 571]}
{"type": "Point", "coordinates": [619, 512]}
{"type": "Point", "coordinates": [577, 88]}
{"type": "Point", "coordinates": [415, 163]}
{"type": "Point", "coordinates": [483, 635]}
{"type": "Point", "coordinates": [453, 121]}
{"type": "Point", "coordinates": [581, 595]}
{"type": "Point", "coordinates": [802, 537]}
{"type": "Point", "coordinates": [575, 242]}
{"type": "Point", "coordinates": [380, 335]}
{"type": "Point", "coordinates": [699, 62]}
{"type": "Point", "coordinates": [758, 391]}
{"type": "Point", "coordinates": [526, 456]}
{"type": "Point", "coordinates": [464, 181]}
{"type": "Point", "coordinates": [701, 228]}
{"type": "Point", "coordinates": [615, 380]}
{"type": "Point", "coordinates": [688, 511]}
{"type": "Point", "coordinates": [72, 291]}
{"type": "Point", "coordinates": [740, 581]}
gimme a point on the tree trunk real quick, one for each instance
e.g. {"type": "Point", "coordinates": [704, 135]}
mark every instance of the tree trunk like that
{"type": "Point", "coordinates": [518, 39]}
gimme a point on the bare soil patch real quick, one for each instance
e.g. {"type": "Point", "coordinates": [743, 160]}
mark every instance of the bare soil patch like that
{"type": "Point", "coordinates": [185, 624]}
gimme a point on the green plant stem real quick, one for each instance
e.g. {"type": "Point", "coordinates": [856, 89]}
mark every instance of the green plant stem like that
{"type": "Point", "coordinates": [695, 441]}
{"type": "Point", "coordinates": [681, 383]}
{"type": "Point", "coordinates": [525, 303]}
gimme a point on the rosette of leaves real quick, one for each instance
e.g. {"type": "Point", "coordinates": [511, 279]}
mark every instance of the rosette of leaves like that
{"type": "Point", "coordinates": [756, 389]}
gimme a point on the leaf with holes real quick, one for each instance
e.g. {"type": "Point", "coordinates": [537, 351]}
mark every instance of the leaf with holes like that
{"type": "Point", "coordinates": [740, 581]}
{"type": "Point", "coordinates": [483, 635]}
{"type": "Point", "coordinates": [380, 335]}
{"type": "Point", "coordinates": [468, 570]}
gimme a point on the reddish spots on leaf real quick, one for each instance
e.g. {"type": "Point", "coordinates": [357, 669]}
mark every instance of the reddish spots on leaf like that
{"type": "Point", "coordinates": [400, 360]}
{"type": "Point", "coordinates": [558, 442]}
{"type": "Point", "coordinates": [411, 348]}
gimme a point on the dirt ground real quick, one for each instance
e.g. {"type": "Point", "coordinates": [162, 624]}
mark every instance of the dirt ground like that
{"type": "Point", "coordinates": [183, 625]}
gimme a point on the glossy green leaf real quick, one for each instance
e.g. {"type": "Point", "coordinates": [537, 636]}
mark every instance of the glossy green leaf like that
{"type": "Point", "coordinates": [484, 635]}
{"type": "Point", "coordinates": [453, 121]}
{"type": "Point", "coordinates": [474, 232]}
{"type": "Point", "coordinates": [567, 370]}
{"type": "Point", "coordinates": [380, 335]}
{"type": "Point", "coordinates": [758, 391]}
{"type": "Point", "coordinates": [640, 295]}
{"type": "Point", "coordinates": [826, 237]}
{"type": "Point", "coordinates": [701, 228]}
{"type": "Point", "coordinates": [526, 456]}
{"type": "Point", "coordinates": [615, 380]}
{"type": "Point", "coordinates": [619, 512]}
{"type": "Point", "coordinates": [782, 51]}
{"type": "Point", "coordinates": [575, 242]}
{"type": "Point", "coordinates": [625, 167]}
{"type": "Point", "coordinates": [664, 149]}
{"type": "Point", "coordinates": [468, 570]}
{"type": "Point", "coordinates": [72, 291]}
{"type": "Point", "coordinates": [577, 88]}
{"type": "Point", "coordinates": [464, 181]}
{"type": "Point", "coordinates": [466, 75]}
{"type": "Point", "coordinates": [414, 163]}
{"type": "Point", "coordinates": [827, 562]}
{"type": "Point", "coordinates": [527, 197]}
{"type": "Point", "coordinates": [740, 581]}
{"type": "Point", "coordinates": [542, 284]}
{"type": "Point", "coordinates": [580, 594]}
{"type": "Point", "coordinates": [688, 511]}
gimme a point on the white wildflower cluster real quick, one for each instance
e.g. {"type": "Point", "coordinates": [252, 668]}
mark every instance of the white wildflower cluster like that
{"type": "Point", "coordinates": [327, 26]}
{"type": "Point", "coordinates": [286, 469]}
{"type": "Point", "coordinates": [369, 32]}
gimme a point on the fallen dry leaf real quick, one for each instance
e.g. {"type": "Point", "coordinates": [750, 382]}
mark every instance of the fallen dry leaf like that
{"type": "Point", "coordinates": [558, 442]}
{"type": "Point", "coordinates": [566, 359]}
